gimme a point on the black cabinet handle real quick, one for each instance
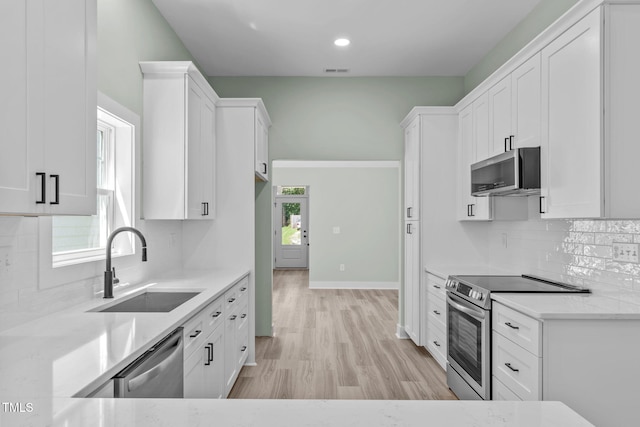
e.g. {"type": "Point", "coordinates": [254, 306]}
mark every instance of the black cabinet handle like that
{"type": "Point", "coordinates": [409, 213]}
{"type": "Point", "coordinates": [243, 289]}
{"type": "Point", "coordinates": [198, 332]}
{"type": "Point", "coordinates": [511, 326]}
{"type": "Point", "coordinates": [470, 210]}
{"type": "Point", "coordinates": [436, 312]}
{"type": "Point", "coordinates": [264, 166]}
{"type": "Point", "coordinates": [540, 210]}
{"type": "Point", "coordinates": [436, 286]}
{"type": "Point", "coordinates": [230, 300]}
{"type": "Point", "coordinates": [409, 229]}
{"type": "Point", "coordinates": [437, 343]}
{"type": "Point", "coordinates": [511, 142]}
{"type": "Point", "coordinates": [216, 314]}
{"type": "Point", "coordinates": [209, 348]}
{"type": "Point", "coordinates": [234, 317]}
{"type": "Point", "coordinates": [43, 188]}
{"type": "Point", "coordinates": [508, 365]}
{"type": "Point", "coordinates": [243, 315]}
{"type": "Point", "coordinates": [205, 208]}
{"type": "Point", "coordinates": [244, 348]}
{"type": "Point", "coordinates": [506, 140]}
{"type": "Point", "coordinates": [56, 201]}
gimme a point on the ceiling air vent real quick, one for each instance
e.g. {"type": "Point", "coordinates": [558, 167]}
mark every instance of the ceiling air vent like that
{"type": "Point", "coordinates": [336, 70]}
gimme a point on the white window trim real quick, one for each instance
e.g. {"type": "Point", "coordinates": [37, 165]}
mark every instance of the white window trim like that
{"type": "Point", "coordinates": [92, 265]}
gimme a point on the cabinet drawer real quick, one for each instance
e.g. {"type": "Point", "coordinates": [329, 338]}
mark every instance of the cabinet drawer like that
{"type": "Point", "coordinates": [519, 328]}
{"type": "Point", "coordinates": [436, 312]}
{"type": "Point", "coordinates": [243, 315]}
{"type": "Point", "coordinates": [516, 368]}
{"type": "Point", "coordinates": [214, 313]}
{"type": "Point", "coordinates": [194, 333]}
{"type": "Point", "coordinates": [243, 288]}
{"type": "Point", "coordinates": [230, 299]}
{"type": "Point", "coordinates": [437, 345]}
{"type": "Point", "coordinates": [500, 391]}
{"type": "Point", "coordinates": [436, 286]}
{"type": "Point", "coordinates": [242, 346]}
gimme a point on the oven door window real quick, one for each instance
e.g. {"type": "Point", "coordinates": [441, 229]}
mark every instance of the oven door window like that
{"type": "Point", "coordinates": [465, 342]}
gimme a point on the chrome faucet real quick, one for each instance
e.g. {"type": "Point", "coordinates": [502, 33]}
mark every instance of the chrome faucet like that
{"type": "Point", "coordinates": [109, 273]}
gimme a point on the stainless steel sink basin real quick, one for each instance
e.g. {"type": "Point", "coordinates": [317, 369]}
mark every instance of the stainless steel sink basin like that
{"type": "Point", "coordinates": [149, 302]}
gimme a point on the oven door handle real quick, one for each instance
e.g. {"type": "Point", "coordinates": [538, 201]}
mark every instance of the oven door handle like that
{"type": "Point", "coordinates": [478, 315]}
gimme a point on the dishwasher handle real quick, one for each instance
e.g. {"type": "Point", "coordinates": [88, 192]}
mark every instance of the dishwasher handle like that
{"type": "Point", "coordinates": [170, 349]}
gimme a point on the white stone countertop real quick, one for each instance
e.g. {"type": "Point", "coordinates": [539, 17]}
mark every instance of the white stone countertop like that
{"type": "Point", "coordinates": [76, 350]}
{"type": "Point", "coordinates": [44, 363]}
{"type": "Point", "coordinates": [569, 306]}
{"type": "Point", "coordinates": [294, 413]}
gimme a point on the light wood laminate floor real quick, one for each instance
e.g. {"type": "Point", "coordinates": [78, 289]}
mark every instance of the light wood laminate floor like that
{"type": "Point", "coordinates": [337, 344]}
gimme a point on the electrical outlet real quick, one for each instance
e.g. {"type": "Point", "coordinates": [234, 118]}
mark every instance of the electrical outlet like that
{"type": "Point", "coordinates": [336, 230]}
{"type": "Point", "coordinates": [341, 267]}
{"type": "Point", "coordinates": [505, 238]}
{"type": "Point", "coordinates": [625, 252]}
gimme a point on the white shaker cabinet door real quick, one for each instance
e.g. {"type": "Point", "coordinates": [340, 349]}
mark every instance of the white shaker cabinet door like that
{"type": "Point", "coordinates": [571, 144]}
{"type": "Point", "coordinates": [500, 139]}
{"type": "Point", "coordinates": [525, 104]}
{"type": "Point", "coordinates": [412, 170]}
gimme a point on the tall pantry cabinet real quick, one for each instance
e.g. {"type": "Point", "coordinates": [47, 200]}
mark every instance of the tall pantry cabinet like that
{"type": "Point", "coordinates": [427, 130]}
{"type": "Point", "coordinates": [48, 107]}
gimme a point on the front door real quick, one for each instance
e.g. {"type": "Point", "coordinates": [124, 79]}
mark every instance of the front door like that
{"type": "Point", "coordinates": [291, 225]}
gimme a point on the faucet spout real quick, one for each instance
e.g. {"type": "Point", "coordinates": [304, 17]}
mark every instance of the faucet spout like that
{"type": "Point", "coordinates": [108, 273]}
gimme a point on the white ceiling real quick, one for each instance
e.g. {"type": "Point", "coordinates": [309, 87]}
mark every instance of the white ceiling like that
{"type": "Point", "coordinates": [295, 37]}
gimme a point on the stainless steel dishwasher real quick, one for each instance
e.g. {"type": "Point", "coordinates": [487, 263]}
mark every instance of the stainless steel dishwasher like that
{"type": "Point", "coordinates": [157, 373]}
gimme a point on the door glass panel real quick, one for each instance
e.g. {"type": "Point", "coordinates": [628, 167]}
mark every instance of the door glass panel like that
{"type": "Point", "coordinates": [291, 224]}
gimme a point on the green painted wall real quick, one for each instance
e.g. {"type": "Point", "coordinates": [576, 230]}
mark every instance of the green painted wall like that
{"type": "Point", "coordinates": [365, 203]}
{"type": "Point", "coordinates": [130, 31]}
{"type": "Point", "coordinates": [328, 118]}
{"type": "Point", "coordinates": [546, 12]}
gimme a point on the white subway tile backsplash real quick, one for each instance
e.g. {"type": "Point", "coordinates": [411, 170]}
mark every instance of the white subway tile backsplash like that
{"type": "Point", "coordinates": [609, 238]}
{"type": "Point", "coordinates": [598, 251]}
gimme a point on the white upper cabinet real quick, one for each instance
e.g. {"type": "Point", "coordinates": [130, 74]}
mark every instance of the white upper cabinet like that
{"type": "Point", "coordinates": [179, 142]}
{"type": "Point", "coordinates": [412, 170]}
{"type": "Point", "coordinates": [590, 117]}
{"type": "Point", "coordinates": [525, 104]}
{"type": "Point", "coordinates": [571, 160]}
{"type": "Point", "coordinates": [262, 148]}
{"type": "Point", "coordinates": [472, 141]}
{"type": "Point", "coordinates": [500, 108]}
{"type": "Point", "coordinates": [48, 107]}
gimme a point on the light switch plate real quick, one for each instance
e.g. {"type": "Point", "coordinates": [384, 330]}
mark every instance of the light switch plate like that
{"type": "Point", "coordinates": [625, 252]}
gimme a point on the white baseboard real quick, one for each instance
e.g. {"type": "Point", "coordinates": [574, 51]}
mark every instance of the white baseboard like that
{"type": "Point", "coordinates": [353, 285]}
{"type": "Point", "coordinates": [400, 332]}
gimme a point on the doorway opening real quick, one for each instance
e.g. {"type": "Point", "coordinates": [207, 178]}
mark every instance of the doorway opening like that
{"type": "Point", "coordinates": [291, 227]}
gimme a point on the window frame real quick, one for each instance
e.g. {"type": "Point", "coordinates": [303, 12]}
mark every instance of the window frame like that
{"type": "Point", "coordinates": [88, 263]}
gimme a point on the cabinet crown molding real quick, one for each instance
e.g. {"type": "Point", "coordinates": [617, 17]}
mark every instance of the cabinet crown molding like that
{"type": "Point", "coordinates": [247, 102]}
{"type": "Point", "coordinates": [433, 111]}
{"type": "Point", "coordinates": [179, 68]}
{"type": "Point", "coordinates": [555, 29]}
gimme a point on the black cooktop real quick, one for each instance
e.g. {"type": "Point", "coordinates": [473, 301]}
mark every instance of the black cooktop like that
{"type": "Point", "coordinates": [522, 283]}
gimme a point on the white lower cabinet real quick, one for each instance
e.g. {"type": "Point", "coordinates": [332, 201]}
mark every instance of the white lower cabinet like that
{"type": "Point", "coordinates": [435, 318]}
{"type": "Point", "coordinates": [589, 363]}
{"type": "Point", "coordinates": [217, 344]}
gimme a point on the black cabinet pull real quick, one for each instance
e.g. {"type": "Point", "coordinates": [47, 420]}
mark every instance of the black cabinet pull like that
{"type": "Point", "coordinates": [409, 213]}
{"type": "Point", "coordinates": [198, 332]}
{"type": "Point", "coordinates": [56, 201]}
{"type": "Point", "coordinates": [409, 229]}
{"type": "Point", "coordinates": [230, 300]}
{"type": "Point", "coordinates": [436, 312]}
{"type": "Point", "coordinates": [511, 142]}
{"type": "Point", "coordinates": [505, 144]}
{"type": "Point", "coordinates": [437, 343]}
{"type": "Point", "coordinates": [540, 210]}
{"type": "Point", "coordinates": [205, 208]}
{"type": "Point", "coordinates": [209, 348]}
{"type": "Point", "coordinates": [511, 326]}
{"type": "Point", "coordinates": [43, 188]}
{"type": "Point", "coordinates": [234, 317]}
{"type": "Point", "coordinates": [216, 314]}
{"type": "Point", "coordinates": [243, 349]}
{"type": "Point", "coordinates": [470, 208]}
{"type": "Point", "coordinates": [243, 315]}
{"type": "Point", "coordinates": [243, 289]}
{"type": "Point", "coordinates": [436, 286]}
{"type": "Point", "coordinates": [264, 166]}
{"type": "Point", "coordinates": [508, 365]}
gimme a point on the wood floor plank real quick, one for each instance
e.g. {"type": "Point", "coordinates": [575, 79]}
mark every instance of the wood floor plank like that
{"type": "Point", "coordinates": [337, 344]}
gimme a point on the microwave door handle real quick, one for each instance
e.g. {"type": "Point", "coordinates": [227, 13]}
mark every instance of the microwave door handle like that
{"type": "Point", "coordinates": [473, 313]}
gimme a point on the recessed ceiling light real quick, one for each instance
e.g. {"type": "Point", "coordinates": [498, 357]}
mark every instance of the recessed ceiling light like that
{"type": "Point", "coordinates": [342, 42]}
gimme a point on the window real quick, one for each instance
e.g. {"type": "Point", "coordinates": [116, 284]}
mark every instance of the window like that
{"type": "Point", "coordinates": [78, 239]}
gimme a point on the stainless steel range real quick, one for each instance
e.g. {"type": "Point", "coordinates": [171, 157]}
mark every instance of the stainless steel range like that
{"type": "Point", "coordinates": [469, 327]}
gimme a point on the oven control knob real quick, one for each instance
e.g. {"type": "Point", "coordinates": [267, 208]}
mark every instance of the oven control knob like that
{"type": "Point", "coordinates": [480, 296]}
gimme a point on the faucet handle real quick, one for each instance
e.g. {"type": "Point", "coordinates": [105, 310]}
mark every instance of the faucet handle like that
{"type": "Point", "coordinates": [115, 279]}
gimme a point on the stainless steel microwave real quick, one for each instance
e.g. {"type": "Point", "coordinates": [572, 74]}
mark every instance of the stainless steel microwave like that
{"type": "Point", "coordinates": [516, 172]}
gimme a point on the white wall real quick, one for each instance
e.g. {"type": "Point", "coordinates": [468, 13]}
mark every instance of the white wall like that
{"type": "Point", "coordinates": [363, 200]}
